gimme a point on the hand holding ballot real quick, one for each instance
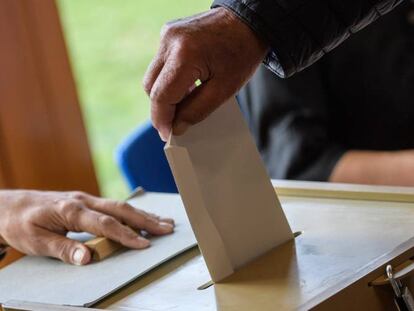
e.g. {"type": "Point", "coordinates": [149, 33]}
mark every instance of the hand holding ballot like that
{"type": "Point", "coordinates": [215, 47]}
{"type": "Point", "coordinates": [36, 223]}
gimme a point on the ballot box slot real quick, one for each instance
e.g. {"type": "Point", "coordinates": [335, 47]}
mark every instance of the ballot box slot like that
{"type": "Point", "coordinates": [211, 283]}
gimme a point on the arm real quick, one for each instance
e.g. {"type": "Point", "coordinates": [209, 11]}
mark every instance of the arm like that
{"type": "Point", "coordinates": [301, 32]}
{"type": "Point", "coordinates": [36, 223]}
{"type": "Point", "coordinates": [223, 47]}
{"type": "Point", "coordinates": [375, 167]}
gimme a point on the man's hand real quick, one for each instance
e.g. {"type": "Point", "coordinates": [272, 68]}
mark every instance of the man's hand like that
{"type": "Point", "coordinates": [215, 47]}
{"type": "Point", "coordinates": [36, 223]}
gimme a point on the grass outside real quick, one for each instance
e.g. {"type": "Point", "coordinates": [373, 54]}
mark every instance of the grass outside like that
{"type": "Point", "coordinates": [110, 43]}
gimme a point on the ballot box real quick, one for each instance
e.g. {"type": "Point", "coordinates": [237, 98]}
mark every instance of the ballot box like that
{"type": "Point", "coordinates": [347, 237]}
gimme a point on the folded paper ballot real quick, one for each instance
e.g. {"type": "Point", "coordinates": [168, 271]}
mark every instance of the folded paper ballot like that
{"type": "Point", "coordinates": [228, 196]}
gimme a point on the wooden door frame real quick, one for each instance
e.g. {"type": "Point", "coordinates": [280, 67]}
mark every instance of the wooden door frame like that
{"type": "Point", "coordinates": [43, 141]}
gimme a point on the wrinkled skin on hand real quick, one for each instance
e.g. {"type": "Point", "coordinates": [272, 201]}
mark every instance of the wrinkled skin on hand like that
{"type": "Point", "coordinates": [36, 222]}
{"type": "Point", "coordinates": [215, 47]}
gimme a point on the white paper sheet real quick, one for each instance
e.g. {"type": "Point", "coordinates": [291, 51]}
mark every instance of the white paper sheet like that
{"type": "Point", "coordinates": [229, 199]}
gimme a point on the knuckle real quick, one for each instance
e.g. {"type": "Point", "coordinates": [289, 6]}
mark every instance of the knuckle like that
{"type": "Point", "coordinates": [154, 94]}
{"type": "Point", "coordinates": [169, 30]}
{"type": "Point", "coordinates": [125, 207]}
{"type": "Point", "coordinates": [30, 231]}
{"type": "Point", "coordinates": [147, 86]}
{"type": "Point", "coordinates": [178, 68]}
{"type": "Point", "coordinates": [129, 233]}
{"type": "Point", "coordinates": [158, 91]}
{"type": "Point", "coordinates": [159, 94]}
{"type": "Point", "coordinates": [62, 250]}
{"type": "Point", "coordinates": [106, 221]}
{"type": "Point", "coordinates": [78, 195]}
{"type": "Point", "coordinates": [185, 48]}
{"type": "Point", "coordinates": [163, 92]}
{"type": "Point", "coordinates": [156, 124]}
{"type": "Point", "coordinates": [149, 221]}
{"type": "Point", "coordinates": [70, 209]}
{"type": "Point", "coordinates": [174, 36]}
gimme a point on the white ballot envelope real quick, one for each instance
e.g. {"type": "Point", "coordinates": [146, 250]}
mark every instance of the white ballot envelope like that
{"type": "Point", "coordinates": [228, 196]}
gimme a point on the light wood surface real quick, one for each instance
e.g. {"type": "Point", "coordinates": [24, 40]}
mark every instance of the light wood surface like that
{"type": "Point", "coordinates": [344, 245]}
{"type": "Point", "coordinates": [343, 191]}
{"type": "Point", "coordinates": [11, 256]}
{"type": "Point", "coordinates": [102, 248]}
{"type": "Point", "coordinates": [172, 285]}
{"type": "Point", "coordinates": [299, 189]}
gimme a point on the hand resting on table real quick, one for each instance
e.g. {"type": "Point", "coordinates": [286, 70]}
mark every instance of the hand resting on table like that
{"type": "Point", "coordinates": [36, 223]}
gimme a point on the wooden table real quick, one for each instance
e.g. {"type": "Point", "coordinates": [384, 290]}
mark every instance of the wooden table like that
{"type": "Point", "coordinates": [345, 231]}
{"type": "Point", "coordinates": [348, 232]}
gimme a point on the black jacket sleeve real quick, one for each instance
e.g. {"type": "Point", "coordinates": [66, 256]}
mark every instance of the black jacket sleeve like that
{"type": "Point", "coordinates": [300, 32]}
{"type": "Point", "coordinates": [289, 121]}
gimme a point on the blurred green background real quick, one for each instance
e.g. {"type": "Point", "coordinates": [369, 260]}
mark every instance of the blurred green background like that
{"type": "Point", "coordinates": [110, 43]}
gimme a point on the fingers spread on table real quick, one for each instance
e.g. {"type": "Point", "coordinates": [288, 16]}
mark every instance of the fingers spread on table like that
{"type": "Point", "coordinates": [80, 218]}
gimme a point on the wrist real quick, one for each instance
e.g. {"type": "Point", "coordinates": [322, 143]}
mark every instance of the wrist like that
{"type": "Point", "coordinates": [253, 39]}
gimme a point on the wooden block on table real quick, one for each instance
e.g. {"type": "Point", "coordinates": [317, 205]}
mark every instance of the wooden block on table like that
{"type": "Point", "coordinates": [102, 248]}
{"type": "Point", "coordinates": [11, 256]}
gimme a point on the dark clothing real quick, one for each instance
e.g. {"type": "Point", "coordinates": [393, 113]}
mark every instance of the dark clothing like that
{"type": "Point", "coordinates": [301, 31]}
{"type": "Point", "coordinates": [360, 96]}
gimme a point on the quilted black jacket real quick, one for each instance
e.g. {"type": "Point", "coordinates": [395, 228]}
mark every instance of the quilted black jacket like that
{"type": "Point", "coordinates": [300, 32]}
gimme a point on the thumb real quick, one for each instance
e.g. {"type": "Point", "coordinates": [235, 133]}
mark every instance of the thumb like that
{"type": "Point", "coordinates": [60, 247]}
{"type": "Point", "coordinates": [197, 106]}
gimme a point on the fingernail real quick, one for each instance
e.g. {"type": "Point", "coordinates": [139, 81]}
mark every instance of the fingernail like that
{"type": "Point", "coordinates": [166, 227]}
{"type": "Point", "coordinates": [169, 221]}
{"type": "Point", "coordinates": [143, 243]}
{"type": "Point", "coordinates": [164, 132]}
{"type": "Point", "coordinates": [180, 127]}
{"type": "Point", "coordinates": [78, 256]}
{"type": "Point", "coordinates": [163, 138]}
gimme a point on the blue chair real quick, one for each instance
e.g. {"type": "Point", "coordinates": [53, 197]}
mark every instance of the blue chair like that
{"type": "Point", "coordinates": [142, 161]}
